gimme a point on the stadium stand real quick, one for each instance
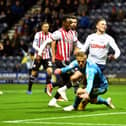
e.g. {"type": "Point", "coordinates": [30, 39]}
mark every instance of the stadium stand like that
{"type": "Point", "coordinates": [19, 20]}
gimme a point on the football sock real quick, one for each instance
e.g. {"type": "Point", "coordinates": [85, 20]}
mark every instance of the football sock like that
{"type": "Point", "coordinates": [57, 95]}
{"type": "Point", "coordinates": [101, 100]}
{"type": "Point", "coordinates": [31, 79]}
{"type": "Point", "coordinates": [77, 102]}
{"type": "Point", "coordinates": [64, 88]}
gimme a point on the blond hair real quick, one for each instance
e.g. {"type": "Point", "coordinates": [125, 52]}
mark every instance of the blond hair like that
{"type": "Point", "coordinates": [81, 54]}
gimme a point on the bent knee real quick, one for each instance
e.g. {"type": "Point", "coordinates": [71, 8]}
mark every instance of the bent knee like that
{"type": "Point", "coordinates": [49, 70]}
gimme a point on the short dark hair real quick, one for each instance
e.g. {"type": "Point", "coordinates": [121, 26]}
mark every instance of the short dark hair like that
{"type": "Point", "coordinates": [65, 17]}
{"type": "Point", "coordinates": [73, 17]}
{"type": "Point", "coordinates": [45, 22]}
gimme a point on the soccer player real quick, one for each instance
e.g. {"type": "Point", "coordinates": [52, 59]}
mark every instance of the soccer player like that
{"type": "Point", "coordinates": [73, 31]}
{"type": "Point", "coordinates": [45, 58]}
{"type": "Point", "coordinates": [98, 44]}
{"type": "Point", "coordinates": [73, 25]}
{"type": "Point", "coordinates": [63, 43]}
{"type": "Point", "coordinates": [96, 82]}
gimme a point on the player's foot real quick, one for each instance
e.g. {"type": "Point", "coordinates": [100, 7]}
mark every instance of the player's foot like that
{"type": "Point", "coordinates": [49, 89]}
{"type": "Point", "coordinates": [110, 105]}
{"type": "Point", "coordinates": [82, 105]}
{"type": "Point", "coordinates": [29, 92]}
{"type": "Point", "coordinates": [63, 94]}
{"type": "Point", "coordinates": [1, 92]}
{"type": "Point", "coordinates": [69, 108]}
{"type": "Point", "coordinates": [53, 103]}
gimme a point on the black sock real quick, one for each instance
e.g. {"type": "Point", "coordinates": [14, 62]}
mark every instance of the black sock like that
{"type": "Point", "coordinates": [57, 95]}
{"type": "Point", "coordinates": [31, 79]}
{"type": "Point", "coordinates": [30, 85]}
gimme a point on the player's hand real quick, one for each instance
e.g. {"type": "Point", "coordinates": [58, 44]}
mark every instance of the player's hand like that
{"type": "Point", "coordinates": [84, 96]}
{"type": "Point", "coordinates": [80, 91]}
{"type": "Point", "coordinates": [57, 71]}
{"type": "Point", "coordinates": [111, 57]}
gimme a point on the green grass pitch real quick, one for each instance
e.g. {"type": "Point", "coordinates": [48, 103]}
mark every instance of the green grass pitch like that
{"type": "Point", "coordinates": [19, 109]}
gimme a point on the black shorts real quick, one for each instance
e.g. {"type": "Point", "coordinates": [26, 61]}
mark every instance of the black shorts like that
{"type": "Point", "coordinates": [45, 62]}
{"type": "Point", "coordinates": [64, 78]}
{"type": "Point", "coordinates": [60, 64]}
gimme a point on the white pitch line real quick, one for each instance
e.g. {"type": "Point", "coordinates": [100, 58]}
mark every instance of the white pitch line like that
{"type": "Point", "coordinates": [66, 117]}
{"type": "Point", "coordinates": [77, 124]}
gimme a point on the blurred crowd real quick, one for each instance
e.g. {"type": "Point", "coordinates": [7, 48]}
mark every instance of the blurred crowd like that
{"type": "Point", "coordinates": [52, 11]}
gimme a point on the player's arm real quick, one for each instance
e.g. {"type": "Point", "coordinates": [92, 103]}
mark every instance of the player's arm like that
{"type": "Point", "coordinates": [90, 81]}
{"type": "Point", "coordinates": [76, 44]}
{"type": "Point", "coordinates": [55, 36]}
{"type": "Point", "coordinates": [84, 47]}
{"type": "Point", "coordinates": [116, 49]}
{"type": "Point", "coordinates": [69, 67]}
{"type": "Point", "coordinates": [49, 40]}
{"type": "Point", "coordinates": [35, 42]}
{"type": "Point", "coordinates": [53, 46]}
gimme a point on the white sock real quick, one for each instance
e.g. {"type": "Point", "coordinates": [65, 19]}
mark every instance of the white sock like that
{"type": "Point", "coordinates": [64, 88]}
{"type": "Point", "coordinates": [53, 100]}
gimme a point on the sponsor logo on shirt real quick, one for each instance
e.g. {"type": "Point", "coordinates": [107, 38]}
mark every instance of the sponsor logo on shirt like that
{"type": "Point", "coordinates": [98, 46]}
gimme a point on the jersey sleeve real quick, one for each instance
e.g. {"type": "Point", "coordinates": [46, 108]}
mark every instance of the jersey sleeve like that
{"type": "Point", "coordinates": [84, 47]}
{"type": "Point", "coordinates": [42, 47]}
{"type": "Point", "coordinates": [90, 75]}
{"type": "Point", "coordinates": [72, 65]}
{"type": "Point", "coordinates": [114, 46]}
{"type": "Point", "coordinates": [75, 40]}
{"type": "Point", "coordinates": [56, 35]}
{"type": "Point", "coordinates": [35, 42]}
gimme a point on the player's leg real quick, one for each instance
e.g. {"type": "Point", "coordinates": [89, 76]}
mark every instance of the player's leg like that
{"type": "Point", "coordinates": [69, 79]}
{"type": "Point", "coordinates": [31, 81]}
{"type": "Point", "coordinates": [75, 105]}
{"type": "Point", "coordinates": [75, 79]}
{"type": "Point", "coordinates": [48, 81]}
{"type": "Point", "coordinates": [96, 99]}
{"type": "Point", "coordinates": [34, 74]}
{"type": "Point", "coordinates": [76, 101]}
{"type": "Point", "coordinates": [47, 64]}
{"type": "Point", "coordinates": [66, 85]}
{"type": "Point", "coordinates": [61, 92]}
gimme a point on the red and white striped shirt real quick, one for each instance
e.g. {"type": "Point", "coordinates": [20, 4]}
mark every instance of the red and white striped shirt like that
{"type": "Point", "coordinates": [39, 39]}
{"type": "Point", "coordinates": [65, 43]}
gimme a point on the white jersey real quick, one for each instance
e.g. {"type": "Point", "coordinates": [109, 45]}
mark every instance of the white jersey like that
{"type": "Point", "coordinates": [98, 47]}
{"type": "Point", "coordinates": [39, 39]}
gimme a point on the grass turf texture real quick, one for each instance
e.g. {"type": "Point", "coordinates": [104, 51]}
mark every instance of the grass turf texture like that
{"type": "Point", "coordinates": [19, 109]}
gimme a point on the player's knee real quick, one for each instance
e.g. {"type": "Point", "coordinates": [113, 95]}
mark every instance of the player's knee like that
{"type": "Point", "coordinates": [93, 101]}
{"type": "Point", "coordinates": [34, 73]}
{"type": "Point", "coordinates": [49, 70]}
{"type": "Point", "coordinates": [73, 78]}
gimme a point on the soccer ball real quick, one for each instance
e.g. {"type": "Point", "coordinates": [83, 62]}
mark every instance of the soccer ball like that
{"type": "Point", "coordinates": [1, 92]}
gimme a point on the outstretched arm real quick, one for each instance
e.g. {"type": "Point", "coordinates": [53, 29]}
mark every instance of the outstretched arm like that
{"type": "Point", "coordinates": [49, 40]}
{"type": "Point", "coordinates": [69, 67]}
{"type": "Point", "coordinates": [115, 48]}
